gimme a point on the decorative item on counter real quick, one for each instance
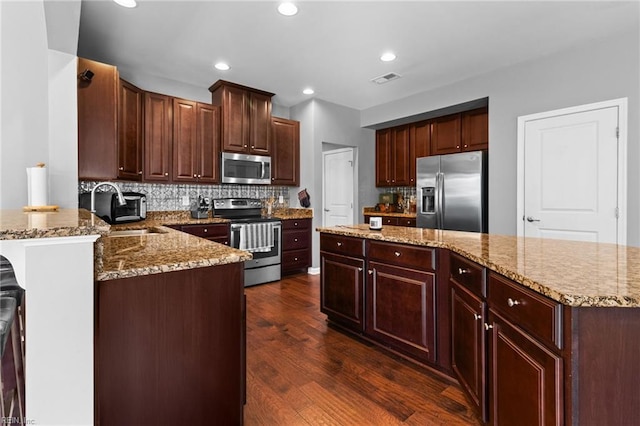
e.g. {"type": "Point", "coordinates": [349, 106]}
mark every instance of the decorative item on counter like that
{"type": "Point", "coordinates": [400, 203]}
{"type": "Point", "coordinates": [38, 190]}
{"type": "Point", "coordinates": [200, 208]}
{"type": "Point", "coordinates": [305, 198]}
{"type": "Point", "coordinates": [270, 203]}
{"type": "Point", "coordinates": [375, 223]}
{"type": "Point", "coordinates": [412, 204]}
{"type": "Point", "coordinates": [388, 198]}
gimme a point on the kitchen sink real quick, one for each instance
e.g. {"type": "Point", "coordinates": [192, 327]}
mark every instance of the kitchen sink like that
{"type": "Point", "coordinates": [136, 232]}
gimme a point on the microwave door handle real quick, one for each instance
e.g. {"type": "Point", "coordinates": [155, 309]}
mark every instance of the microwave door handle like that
{"type": "Point", "coordinates": [262, 168]}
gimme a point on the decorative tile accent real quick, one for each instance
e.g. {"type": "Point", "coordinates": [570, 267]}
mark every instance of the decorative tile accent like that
{"type": "Point", "coordinates": [168, 197]}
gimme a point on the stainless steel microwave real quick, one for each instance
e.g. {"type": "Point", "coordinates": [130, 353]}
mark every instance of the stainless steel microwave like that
{"type": "Point", "coordinates": [244, 168]}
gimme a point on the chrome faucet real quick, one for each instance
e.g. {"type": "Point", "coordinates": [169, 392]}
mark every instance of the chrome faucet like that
{"type": "Point", "coordinates": [121, 199]}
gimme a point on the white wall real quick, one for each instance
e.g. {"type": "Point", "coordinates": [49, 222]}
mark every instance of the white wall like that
{"type": "Point", "coordinates": [323, 123]}
{"type": "Point", "coordinates": [597, 71]}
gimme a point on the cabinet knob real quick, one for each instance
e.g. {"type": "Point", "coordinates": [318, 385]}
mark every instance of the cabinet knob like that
{"type": "Point", "coordinates": [166, 173]}
{"type": "Point", "coordinates": [295, 240]}
{"type": "Point", "coordinates": [195, 175]}
{"type": "Point", "coordinates": [466, 146]}
{"type": "Point", "coordinates": [273, 178]}
{"type": "Point", "coordinates": [252, 146]}
{"type": "Point", "coordinates": [462, 271]}
{"type": "Point", "coordinates": [339, 244]}
{"type": "Point", "coordinates": [140, 172]}
{"type": "Point", "coordinates": [199, 176]}
{"type": "Point", "coordinates": [487, 326]}
{"type": "Point", "coordinates": [397, 253]}
{"type": "Point", "coordinates": [512, 302]}
{"type": "Point", "coordinates": [120, 168]}
{"type": "Point", "coordinates": [206, 230]}
{"type": "Point", "coordinates": [457, 146]}
{"type": "Point", "coordinates": [295, 258]}
{"type": "Point", "coordinates": [476, 316]}
{"type": "Point", "coordinates": [370, 272]}
{"type": "Point", "coordinates": [393, 180]}
{"type": "Point", "coordinates": [359, 269]}
{"type": "Point", "coordinates": [245, 146]}
{"type": "Point", "coordinates": [295, 223]}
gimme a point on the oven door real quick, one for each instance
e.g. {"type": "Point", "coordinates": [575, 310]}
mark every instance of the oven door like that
{"type": "Point", "coordinates": [260, 259]}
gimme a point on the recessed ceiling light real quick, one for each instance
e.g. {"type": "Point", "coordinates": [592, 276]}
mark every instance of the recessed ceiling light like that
{"type": "Point", "coordinates": [308, 91]}
{"type": "Point", "coordinates": [387, 57]}
{"type": "Point", "coordinates": [126, 3]}
{"type": "Point", "coordinates": [287, 8]}
{"type": "Point", "coordinates": [222, 66]}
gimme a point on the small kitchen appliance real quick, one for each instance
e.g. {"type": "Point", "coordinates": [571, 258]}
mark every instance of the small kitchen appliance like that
{"type": "Point", "coordinates": [200, 208]}
{"type": "Point", "coordinates": [247, 169]}
{"type": "Point", "coordinates": [375, 223]}
{"type": "Point", "coordinates": [109, 209]}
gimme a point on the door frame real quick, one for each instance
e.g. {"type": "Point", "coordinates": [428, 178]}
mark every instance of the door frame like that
{"type": "Point", "coordinates": [621, 104]}
{"type": "Point", "coordinates": [354, 155]}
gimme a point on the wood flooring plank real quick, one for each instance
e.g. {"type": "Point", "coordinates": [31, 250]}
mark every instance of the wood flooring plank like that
{"type": "Point", "coordinates": [303, 372]}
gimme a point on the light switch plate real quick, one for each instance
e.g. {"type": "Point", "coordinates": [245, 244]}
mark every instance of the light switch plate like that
{"type": "Point", "coordinates": [185, 200]}
{"type": "Point", "coordinates": [281, 199]}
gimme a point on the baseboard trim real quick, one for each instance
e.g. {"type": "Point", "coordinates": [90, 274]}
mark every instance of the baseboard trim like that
{"type": "Point", "coordinates": [313, 271]}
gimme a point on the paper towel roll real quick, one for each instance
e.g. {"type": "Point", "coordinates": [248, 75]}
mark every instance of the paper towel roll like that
{"type": "Point", "coordinates": [37, 189]}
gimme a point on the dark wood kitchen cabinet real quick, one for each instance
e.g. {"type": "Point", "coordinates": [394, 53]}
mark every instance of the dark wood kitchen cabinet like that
{"type": "Point", "coordinates": [130, 141]}
{"type": "Point", "coordinates": [467, 131]}
{"type": "Point", "coordinates": [158, 120]}
{"type": "Point", "coordinates": [392, 156]}
{"type": "Point", "coordinates": [393, 220]}
{"type": "Point", "coordinates": [195, 142]}
{"type": "Point", "coordinates": [468, 337]}
{"type": "Point", "coordinates": [246, 117]}
{"type": "Point", "coordinates": [169, 348]}
{"type": "Point", "coordinates": [97, 120]}
{"type": "Point", "coordinates": [217, 232]}
{"type": "Point", "coordinates": [419, 146]}
{"type": "Point", "coordinates": [296, 245]}
{"type": "Point", "coordinates": [400, 298]}
{"type": "Point", "coordinates": [285, 155]}
{"type": "Point", "coordinates": [445, 134]}
{"type": "Point", "coordinates": [342, 281]}
{"type": "Point", "coordinates": [475, 129]}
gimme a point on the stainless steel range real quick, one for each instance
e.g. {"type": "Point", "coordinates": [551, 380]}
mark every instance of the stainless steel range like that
{"type": "Point", "coordinates": [252, 232]}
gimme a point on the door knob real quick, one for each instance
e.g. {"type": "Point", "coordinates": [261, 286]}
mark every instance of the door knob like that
{"type": "Point", "coordinates": [531, 219]}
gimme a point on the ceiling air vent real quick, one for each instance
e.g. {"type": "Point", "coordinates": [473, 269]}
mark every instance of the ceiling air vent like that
{"type": "Point", "coordinates": [386, 78]}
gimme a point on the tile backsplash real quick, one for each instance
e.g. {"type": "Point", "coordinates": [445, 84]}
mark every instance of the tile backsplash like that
{"type": "Point", "coordinates": [168, 197]}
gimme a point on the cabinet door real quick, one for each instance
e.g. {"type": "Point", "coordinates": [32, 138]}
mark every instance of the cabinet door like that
{"type": "Point", "coordinates": [260, 123]}
{"type": "Point", "coordinates": [184, 141]}
{"type": "Point", "coordinates": [445, 135]}
{"type": "Point", "coordinates": [208, 143]}
{"type": "Point", "coordinates": [97, 121]}
{"type": "Point", "coordinates": [475, 129]}
{"type": "Point", "coordinates": [525, 378]}
{"type": "Point", "coordinates": [235, 119]}
{"type": "Point", "coordinates": [400, 156]}
{"type": "Point", "coordinates": [468, 345]}
{"type": "Point", "coordinates": [285, 158]}
{"type": "Point", "coordinates": [157, 137]}
{"type": "Point", "coordinates": [130, 132]}
{"type": "Point", "coordinates": [383, 157]}
{"type": "Point", "coordinates": [342, 289]}
{"type": "Point", "coordinates": [419, 144]}
{"type": "Point", "coordinates": [400, 309]}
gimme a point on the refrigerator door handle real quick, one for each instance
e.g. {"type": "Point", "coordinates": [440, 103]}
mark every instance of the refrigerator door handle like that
{"type": "Point", "coordinates": [438, 200]}
{"type": "Point", "coordinates": [441, 200]}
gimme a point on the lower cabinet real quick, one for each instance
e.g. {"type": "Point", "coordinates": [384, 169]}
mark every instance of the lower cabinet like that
{"type": "Point", "coordinates": [218, 232]}
{"type": "Point", "coordinates": [400, 309]}
{"type": "Point", "coordinates": [296, 245]}
{"type": "Point", "coordinates": [526, 377]}
{"type": "Point", "coordinates": [395, 220]}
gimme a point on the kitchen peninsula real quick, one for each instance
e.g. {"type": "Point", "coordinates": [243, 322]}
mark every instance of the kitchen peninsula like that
{"type": "Point", "coordinates": [540, 330]}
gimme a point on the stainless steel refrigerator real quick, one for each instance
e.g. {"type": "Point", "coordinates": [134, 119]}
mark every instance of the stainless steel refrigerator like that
{"type": "Point", "coordinates": [452, 192]}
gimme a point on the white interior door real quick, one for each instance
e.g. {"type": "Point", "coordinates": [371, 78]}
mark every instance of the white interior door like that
{"type": "Point", "coordinates": [572, 177]}
{"type": "Point", "coordinates": [337, 187]}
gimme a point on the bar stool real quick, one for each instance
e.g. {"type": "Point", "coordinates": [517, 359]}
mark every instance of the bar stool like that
{"type": "Point", "coordinates": [12, 392]}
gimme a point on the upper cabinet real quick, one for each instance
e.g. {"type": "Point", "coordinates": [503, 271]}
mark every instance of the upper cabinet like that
{"type": "Point", "coordinates": [246, 117]}
{"type": "Point", "coordinates": [397, 148]}
{"type": "Point", "coordinates": [195, 142]}
{"type": "Point", "coordinates": [130, 132]}
{"type": "Point", "coordinates": [158, 119]}
{"type": "Point", "coordinates": [285, 158]}
{"type": "Point", "coordinates": [97, 120]}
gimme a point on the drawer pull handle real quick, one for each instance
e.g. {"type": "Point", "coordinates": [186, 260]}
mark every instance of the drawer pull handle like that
{"type": "Point", "coordinates": [339, 244]}
{"type": "Point", "coordinates": [512, 302]}
{"type": "Point", "coordinates": [462, 271]}
{"type": "Point", "coordinates": [295, 223]}
{"type": "Point", "coordinates": [295, 258]}
{"type": "Point", "coordinates": [295, 240]}
{"type": "Point", "coordinates": [397, 253]}
{"type": "Point", "coordinates": [476, 316]}
{"type": "Point", "coordinates": [487, 326]}
{"type": "Point", "coordinates": [206, 230]}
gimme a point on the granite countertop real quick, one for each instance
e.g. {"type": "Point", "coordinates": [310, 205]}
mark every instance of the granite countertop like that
{"type": "Point", "coordinates": [370, 211]}
{"type": "Point", "coordinates": [19, 225]}
{"type": "Point", "coordinates": [573, 273]}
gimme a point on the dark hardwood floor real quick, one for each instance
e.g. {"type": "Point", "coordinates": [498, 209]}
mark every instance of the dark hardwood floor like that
{"type": "Point", "coordinates": [300, 371]}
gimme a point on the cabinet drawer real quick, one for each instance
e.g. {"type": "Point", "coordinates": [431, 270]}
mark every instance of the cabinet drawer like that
{"type": "Point", "coordinates": [403, 255]}
{"type": "Point", "coordinates": [207, 231]}
{"type": "Point", "coordinates": [389, 220]}
{"type": "Point", "coordinates": [342, 245]}
{"type": "Point", "coordinates": [296, 224]}
{"type": "Point", "coordinates": [295, 259]}
{"type": "Point", "coordinates": [292, 240]}
{"type": "Point", "coordinates": [467, 274]}
{"type": "Point", "coordinates": [534, 313]}
{"type": "Point", "coordinates": [407, 221]}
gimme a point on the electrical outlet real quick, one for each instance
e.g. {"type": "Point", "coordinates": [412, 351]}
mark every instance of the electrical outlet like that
{"type": "Point", "coordinates": [185, 200]}
{"type": "Point", "coordinates": [281, 199]}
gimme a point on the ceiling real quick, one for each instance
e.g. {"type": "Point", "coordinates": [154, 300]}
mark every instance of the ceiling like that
{"type": "Point", "coordinates": [334, 46]}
